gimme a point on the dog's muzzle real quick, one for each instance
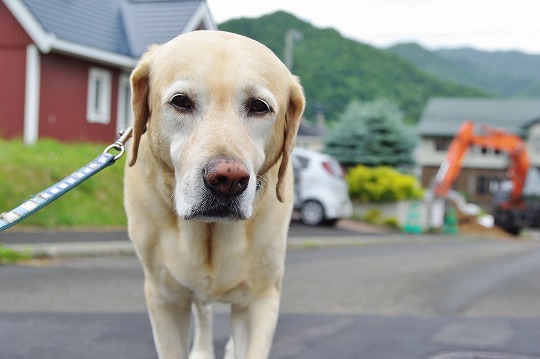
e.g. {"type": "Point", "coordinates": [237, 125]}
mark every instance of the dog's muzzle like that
{"type": "Point", "coordinates": [225, 180]}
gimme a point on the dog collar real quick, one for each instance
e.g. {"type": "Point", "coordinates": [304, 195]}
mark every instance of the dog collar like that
{"type": "Point", "coordinates": [259, 183]}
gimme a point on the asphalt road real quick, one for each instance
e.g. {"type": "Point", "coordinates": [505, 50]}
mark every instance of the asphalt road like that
{"type": "Point", "coordinates": [407, 299]}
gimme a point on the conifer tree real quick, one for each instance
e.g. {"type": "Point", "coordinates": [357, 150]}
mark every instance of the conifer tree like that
{"type": "Point", "coordinates": [372, 134]}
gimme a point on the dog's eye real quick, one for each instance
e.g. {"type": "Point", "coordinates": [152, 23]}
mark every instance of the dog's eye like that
{"type": "Point", "coordinates": [181, 102]}
{"type": "Point", "coordinates": [258, 107]}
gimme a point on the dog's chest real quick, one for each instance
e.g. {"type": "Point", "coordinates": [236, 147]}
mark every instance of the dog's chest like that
{"type": "Point", "coordinates": [226, 280]}
{"type": "Point", "coordinates": [215, 263]}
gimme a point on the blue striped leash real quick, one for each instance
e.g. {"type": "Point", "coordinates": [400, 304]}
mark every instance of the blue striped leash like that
{"type": "Point", "coordinates": [37, 202]}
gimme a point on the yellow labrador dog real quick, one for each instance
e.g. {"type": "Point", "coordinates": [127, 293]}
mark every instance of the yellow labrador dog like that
{"type": "Point", "coordinates": [209, 188]}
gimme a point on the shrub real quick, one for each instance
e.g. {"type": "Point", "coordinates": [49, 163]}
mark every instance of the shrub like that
{"type": "Point", "coordinates": [381, 184]}
{"type": "Point", "coordinates": [373, 216]}
{"type": "Point", "coordinates": [391, 222]}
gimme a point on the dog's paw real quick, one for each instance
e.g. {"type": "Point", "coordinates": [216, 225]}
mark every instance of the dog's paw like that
{"type": "Point", "coordinates": [201, 355]}
{"type": "Point", "coordinates": [229, 350]}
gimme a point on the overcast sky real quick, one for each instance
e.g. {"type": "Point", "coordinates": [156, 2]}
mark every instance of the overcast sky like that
{"type": "Point", "coordinates": [483, 24]}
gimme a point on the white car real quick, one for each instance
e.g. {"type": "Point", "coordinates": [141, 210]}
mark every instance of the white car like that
{"type": "Point", "coordinates": [321, 191]}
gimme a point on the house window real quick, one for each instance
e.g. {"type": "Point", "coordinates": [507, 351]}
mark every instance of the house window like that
{"type": "Point", "coordinates": [486, 185]}
{"type": "Point", "coordinates": [98, 108]}
{"type": "Point", "coordinates": [124, 116]}
{"type": "Point", "coordinates": [442, 143]}
{"type": "Point", "coordinates": [483, 185]}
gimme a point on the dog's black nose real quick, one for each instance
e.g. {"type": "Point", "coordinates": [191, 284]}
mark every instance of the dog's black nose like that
{"type": "Point", "coordinates": [226, 177]}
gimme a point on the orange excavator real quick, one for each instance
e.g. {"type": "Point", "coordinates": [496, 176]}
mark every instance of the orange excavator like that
{"type": "Point", "coordinates": [511, 212]}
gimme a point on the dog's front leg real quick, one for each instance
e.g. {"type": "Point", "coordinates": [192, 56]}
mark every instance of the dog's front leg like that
{"type": "Point", "coordinates": [253, 326]}
{"type": "Point", "coordinates": [203, 341]}
{"type": "Point", "coordinates": [170, 323]}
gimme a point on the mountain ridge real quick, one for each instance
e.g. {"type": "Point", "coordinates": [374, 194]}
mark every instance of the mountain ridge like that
{"type": "Point", "coordinates": [336, 70]}
{"type": "Point", "coordinates": [503, 73]}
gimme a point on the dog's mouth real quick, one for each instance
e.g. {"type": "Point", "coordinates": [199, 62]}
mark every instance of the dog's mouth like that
{"type": "Point", "coordinates": [217, 209]}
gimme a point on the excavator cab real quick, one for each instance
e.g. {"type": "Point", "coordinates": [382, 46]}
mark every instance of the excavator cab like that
{"type": "Point", "coordinates": [512, 209]}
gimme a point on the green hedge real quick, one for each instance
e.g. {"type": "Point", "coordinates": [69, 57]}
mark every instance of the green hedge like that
{"type": "Point", "coordinates": [381, 184]}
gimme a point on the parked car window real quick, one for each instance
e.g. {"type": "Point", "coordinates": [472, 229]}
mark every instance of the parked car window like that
{"type": "Point", "coordinates": [303, 161]}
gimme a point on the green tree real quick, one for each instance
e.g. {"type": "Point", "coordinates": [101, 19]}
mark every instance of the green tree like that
{"type": "Point", "coordinates": [372, 134]}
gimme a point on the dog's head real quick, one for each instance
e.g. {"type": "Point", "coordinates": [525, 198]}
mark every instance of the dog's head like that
{"type": "Point", "coordinates": [221, 110]}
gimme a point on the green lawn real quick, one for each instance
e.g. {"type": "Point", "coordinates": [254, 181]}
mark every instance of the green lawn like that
{"type": "Point", "coordinates": [27, 170]}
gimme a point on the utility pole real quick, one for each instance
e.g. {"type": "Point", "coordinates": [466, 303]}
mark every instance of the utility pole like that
{"type": "Point", "coordinates": [291, 36]}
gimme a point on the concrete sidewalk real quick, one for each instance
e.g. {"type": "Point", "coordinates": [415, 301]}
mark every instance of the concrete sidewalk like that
{"type": "Point", "coordinates": [88, 243]}
{"type": "Point", "coordinates": [114, 247]}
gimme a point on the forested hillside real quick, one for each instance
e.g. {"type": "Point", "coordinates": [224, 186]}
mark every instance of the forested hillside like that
{"type": "Point", "coordinates": [335, 70]}
{"type": "Point", "coordinates": [508, 74]}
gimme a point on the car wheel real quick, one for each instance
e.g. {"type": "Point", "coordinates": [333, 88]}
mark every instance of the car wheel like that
{"type": "Point", "coordinates": [312, 213]}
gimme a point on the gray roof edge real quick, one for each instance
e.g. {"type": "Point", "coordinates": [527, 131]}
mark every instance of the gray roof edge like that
{"type": "Point", "coordinates": [48, 41]}
{"type": "Point", "coordinates": [200, 14]}
{"type": "Point", "coordinates": [440, 115]}
{"type": "Point", "coordinates": [30, 24]}
{"type": "Point", "coordinates": [95, 54]}
{"type": "Point", "coordinates": [124, 9]}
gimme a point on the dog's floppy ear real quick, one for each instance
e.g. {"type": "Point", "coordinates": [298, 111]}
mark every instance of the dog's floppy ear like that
{"type": "Point", "coordinates": [140, 87]}
{"type": "Point", "coordinates": [292, 122]}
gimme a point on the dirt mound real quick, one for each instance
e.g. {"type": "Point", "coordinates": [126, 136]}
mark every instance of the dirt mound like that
{"type": "Point", "coordinates": [467, 224]}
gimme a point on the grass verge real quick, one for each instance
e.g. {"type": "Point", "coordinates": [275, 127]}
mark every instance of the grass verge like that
{"type": "Point", "coordinates": [9, 256]}
{"type": "Point", "coordinates": [27, 170]}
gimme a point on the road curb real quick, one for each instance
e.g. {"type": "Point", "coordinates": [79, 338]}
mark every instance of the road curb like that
{"type": "Point", "coordinates": [112, 248]}
{"type": "Point", "coordinates": [73, 249]}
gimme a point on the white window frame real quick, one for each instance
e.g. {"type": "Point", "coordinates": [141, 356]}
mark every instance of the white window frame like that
{"type": "Point", "coordinates": [536, 143]}
{"type": "Point", "coordinates": [124, 114]}
{"type": "Point", "coordinates": [98, 106]}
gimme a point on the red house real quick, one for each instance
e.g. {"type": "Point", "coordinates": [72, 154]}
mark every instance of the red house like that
{"type": "Point", "coordinates": [65, 65]}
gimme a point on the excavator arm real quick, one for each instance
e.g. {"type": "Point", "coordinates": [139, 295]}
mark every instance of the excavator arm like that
{"type": "Point", "coordinates": [451, 165]}
{"type": "Point", "coordinates": [491, 138]}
